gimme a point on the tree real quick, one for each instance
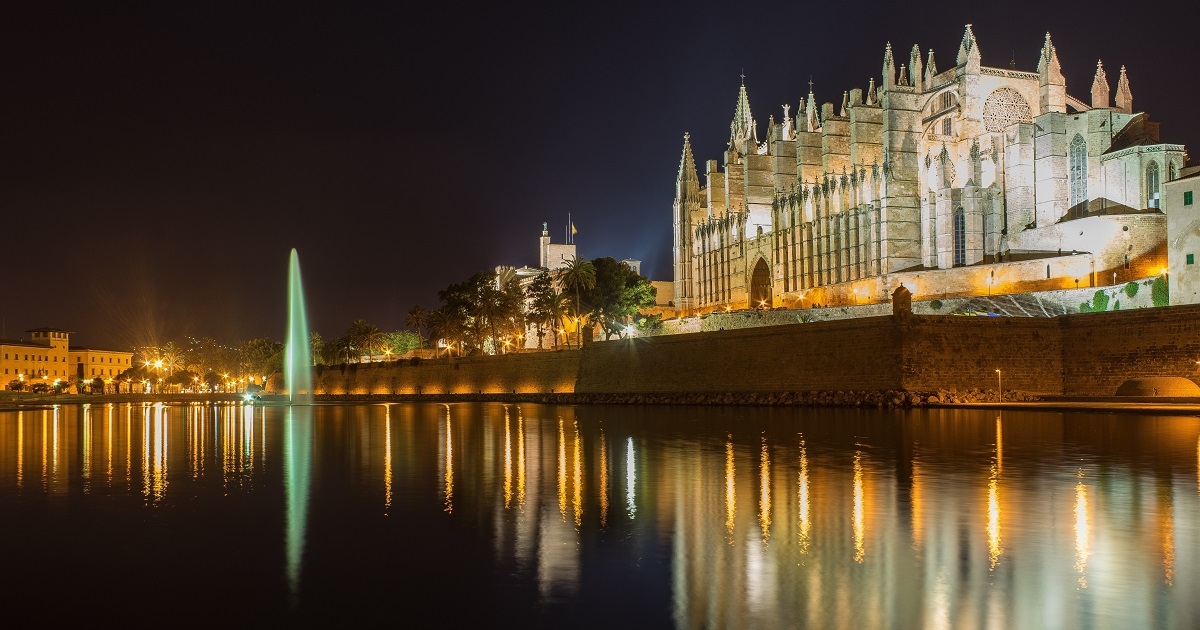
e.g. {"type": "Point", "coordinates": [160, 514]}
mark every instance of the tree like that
{"type": "Point", "coordinates": [400, 341]}
{"type": "Point", "coordinates": [262, 356]}
{"type": "Point", "coordinates": [579, 276]}
{"type": "Point", "coordinates": [415, 319]}
{"type": "Point", "coordinates": [541, 303]}
{"type": "Point", "coordinates": [617, 295]}
{"type": "Point", "coordinates": [316, 347]}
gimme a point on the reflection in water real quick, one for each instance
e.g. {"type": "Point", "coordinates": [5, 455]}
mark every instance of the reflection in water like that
{"type": "Point", "coordinates": [562, 471]}
{"type": "Point", "coordinates": [508, 472]}
{"type": "Point", "coordinates": [916, 502]}
{"type": "Point", "coordinates": [860, 547]}
{"type": "Point", "coordinates": [764, 491]}
{"type": "Point", "coordinates": [297, 472]}
{"type": "Point", "coordinates": [630, 481]}
{"type": "Point", "coordinates": [1082, 544]}
{"type": "Point", "coordinates": [1166, 527]}
{"type": "Point", "coordinates": [387, 459]}
{"type": "Point", "coordinates": [993, 506]}
{"type": "Point", "coordinates": [603, 479]}
{"type": "Point", "coordinates": [449, 464]}
{"type": "Point", "coordinates": [86, 438]}
{"type": "Point", "coordinates": [577, 479]}
{"type": "Point", "coordinates": [802, 499]}
{"type": "Point", "coordinates": [520, 459]}
{"type": "Point", "coordinates": [1134, 527]}
{"type": "Point", "coordinates": [21, 449]}
{"type": "Point", "coordinates": [730, 494]}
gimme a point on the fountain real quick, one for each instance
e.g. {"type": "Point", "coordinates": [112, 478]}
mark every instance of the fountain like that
{"type": "Point", "coordinates": [297, 366]}
{"type": "Point", "coordinates": [298, 429]}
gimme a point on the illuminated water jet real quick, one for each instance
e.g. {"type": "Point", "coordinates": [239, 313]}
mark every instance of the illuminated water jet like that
{"type": "Point", "coordinates": [297, 365]}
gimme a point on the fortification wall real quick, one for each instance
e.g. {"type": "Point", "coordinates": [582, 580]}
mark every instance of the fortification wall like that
{"type": "Point", "coordinates": [1082, 354]}
{"type": "Point", "coordinates": [965, 352]}
{"type": "Point", "coordinates": [859, 354]}
{"type": "Point", "coordinates": [1102, 350]}
{"type": "Point", "coordinates": [520, 373]}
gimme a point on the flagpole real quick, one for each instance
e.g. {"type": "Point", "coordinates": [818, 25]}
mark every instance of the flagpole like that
{"type": "Point", "coordinates": [569, 224]}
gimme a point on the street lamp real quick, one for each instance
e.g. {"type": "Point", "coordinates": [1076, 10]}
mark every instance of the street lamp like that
{"type": "Point", "coordinates": [999, 386]}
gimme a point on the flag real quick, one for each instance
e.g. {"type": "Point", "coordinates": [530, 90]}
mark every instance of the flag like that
{"type": "Point", "coordinates": [573, 230]}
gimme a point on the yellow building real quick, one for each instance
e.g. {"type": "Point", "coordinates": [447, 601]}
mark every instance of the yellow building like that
{"type": "Point", "coordinates": [48, 357]}
{"type": "Point", "coordinates": [91, 363]}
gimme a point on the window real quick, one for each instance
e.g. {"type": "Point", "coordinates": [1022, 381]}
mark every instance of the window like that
{"type": "Point", "coordinates": [1152, 186]}
{"type": "Point", "coordinates": [947, 100]}
{"type": "Point", "coordinates": [960, 238]}
{"type": "Point", "coordinates": [1187, 201]}
{"type": "Point", "coordinates": [947, 126]}
{"type": "Point", "coordinates": [1078, 173]}
{"type": "Point", "coordinates": [1191, 259]}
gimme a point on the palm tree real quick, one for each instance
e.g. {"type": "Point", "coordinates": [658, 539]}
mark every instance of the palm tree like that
{"type": "Point", "coordinates": [579, 275]}
{"type": "Point", "coordinates": [416, 318]}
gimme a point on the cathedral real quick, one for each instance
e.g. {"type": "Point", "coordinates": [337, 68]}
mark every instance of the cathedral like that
{"type": "Point", "coordinates": [966, 181]}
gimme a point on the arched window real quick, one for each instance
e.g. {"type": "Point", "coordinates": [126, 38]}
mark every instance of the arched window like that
{"type": "Point", "coordinates": [960, 238]}
{"type": "Point", "coordinates": [1078, 175]}
{"type": "Point", "coordinates": [1152, 193]}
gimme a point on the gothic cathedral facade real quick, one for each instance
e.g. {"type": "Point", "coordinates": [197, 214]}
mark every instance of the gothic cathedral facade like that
{"type": "Point", "coordinates": [965, 175]}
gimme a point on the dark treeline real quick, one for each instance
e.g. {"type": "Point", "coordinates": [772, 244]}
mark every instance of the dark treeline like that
{"type": "Point", "coordinates": [492, 313]}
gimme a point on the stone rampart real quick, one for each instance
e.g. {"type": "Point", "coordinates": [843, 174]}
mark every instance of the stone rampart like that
{"type": "Point", "coordinates": [535, 372]}
{"type": "Point", "coordinates": [1075, 355]}
{"type": "Point", "coordinates": [1102, 350]}
{"type": "Point", "coordinates": [857, 354]}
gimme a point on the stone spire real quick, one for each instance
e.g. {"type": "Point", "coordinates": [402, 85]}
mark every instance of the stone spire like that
{"type": "Point", "coordinates": [1053, 87]}
{"type": "Point", "coordinates": [872, 97]}
{"type": "Point", "coordinates": [687, 184]}
{"type": "Point", "coordinates": [930, 69]}
{"type": "Point", "coordinates": [1124, 96]}
{"type": "Point", "coordinates": [742, 127]}
{"type": "Point", "coordinates": [914, 68]}
{"type": "Point", "coordinates": [902, 80]}
{"type": "Point", "coordinates": [845, 105]}
{"type": "Point", "coordinates": [810, 109]}
{"type": "Point", "coordinates": [889, 68]}
{"type": "Point", "coordinates": [968, 49]}
{"type": "Point", "coordinates": [1100, 88]}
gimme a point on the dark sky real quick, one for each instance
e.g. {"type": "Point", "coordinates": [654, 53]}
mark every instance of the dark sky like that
{"type": "Point", "coordinates": [158, 162]}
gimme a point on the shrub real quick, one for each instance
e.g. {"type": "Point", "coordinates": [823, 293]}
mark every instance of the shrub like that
{"type": "Point", "coordinates": [1117, 305]}
{"type": "Point", "coordinates": [1131, 289]}
{"type": "Point", "coordinates": [1100, 301]}
{"type": "Point", "coordinates": [936, 305]}
{"type": "Point", "coordinates": [1159, 293]}
{"type": "Point", "coordinates": [1085, 307]}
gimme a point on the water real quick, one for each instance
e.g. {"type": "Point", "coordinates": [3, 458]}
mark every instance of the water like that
{"type": "Point", "coordinates": [297, 366]}
{"type": "Point", "coordinates": [616, 516]}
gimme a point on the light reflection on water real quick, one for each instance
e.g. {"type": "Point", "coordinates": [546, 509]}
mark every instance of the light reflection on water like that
{"type": "Point", "coordinates": [850, 518]}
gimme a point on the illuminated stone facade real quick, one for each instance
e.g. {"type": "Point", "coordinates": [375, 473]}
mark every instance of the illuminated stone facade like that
{"type": "Point", "coordinates": [48, 357]}
{"type": "Point", "coordinates": [972, 167]}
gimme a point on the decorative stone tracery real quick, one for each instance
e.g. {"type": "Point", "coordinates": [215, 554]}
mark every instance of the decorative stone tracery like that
{"type": "Point", "coordinates": [1003, 107]}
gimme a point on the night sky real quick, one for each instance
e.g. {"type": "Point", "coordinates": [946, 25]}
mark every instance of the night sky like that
{"type": "Point", "coordinates": [159, 162]}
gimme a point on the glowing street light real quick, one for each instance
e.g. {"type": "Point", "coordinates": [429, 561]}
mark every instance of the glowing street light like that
{"type": "Point", "coordinates": [999, 386]}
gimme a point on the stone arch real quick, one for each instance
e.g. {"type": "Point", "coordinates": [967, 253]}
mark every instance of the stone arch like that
{"type": "Point", "coordinates": [760, 285]}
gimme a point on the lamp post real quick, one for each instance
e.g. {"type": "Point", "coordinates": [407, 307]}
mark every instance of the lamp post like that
{"type": "Point", "coordinates": [999, 386]}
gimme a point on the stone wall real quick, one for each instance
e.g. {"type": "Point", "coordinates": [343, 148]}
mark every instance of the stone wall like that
{"type": "Point", "coordinates": [1102, 350]}
{"type": "Point", "coordinates": [533, 372]}
{"type": "Point", "coordinates": [965, 352]}
{"type": "Point", "coordinates": [1082, 354]}
{"type": "Point", "coordinates": [858, 354]}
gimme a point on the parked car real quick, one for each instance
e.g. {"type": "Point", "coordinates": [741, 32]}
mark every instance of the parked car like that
{"type": "Point", "coordinates": [39, 388]}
